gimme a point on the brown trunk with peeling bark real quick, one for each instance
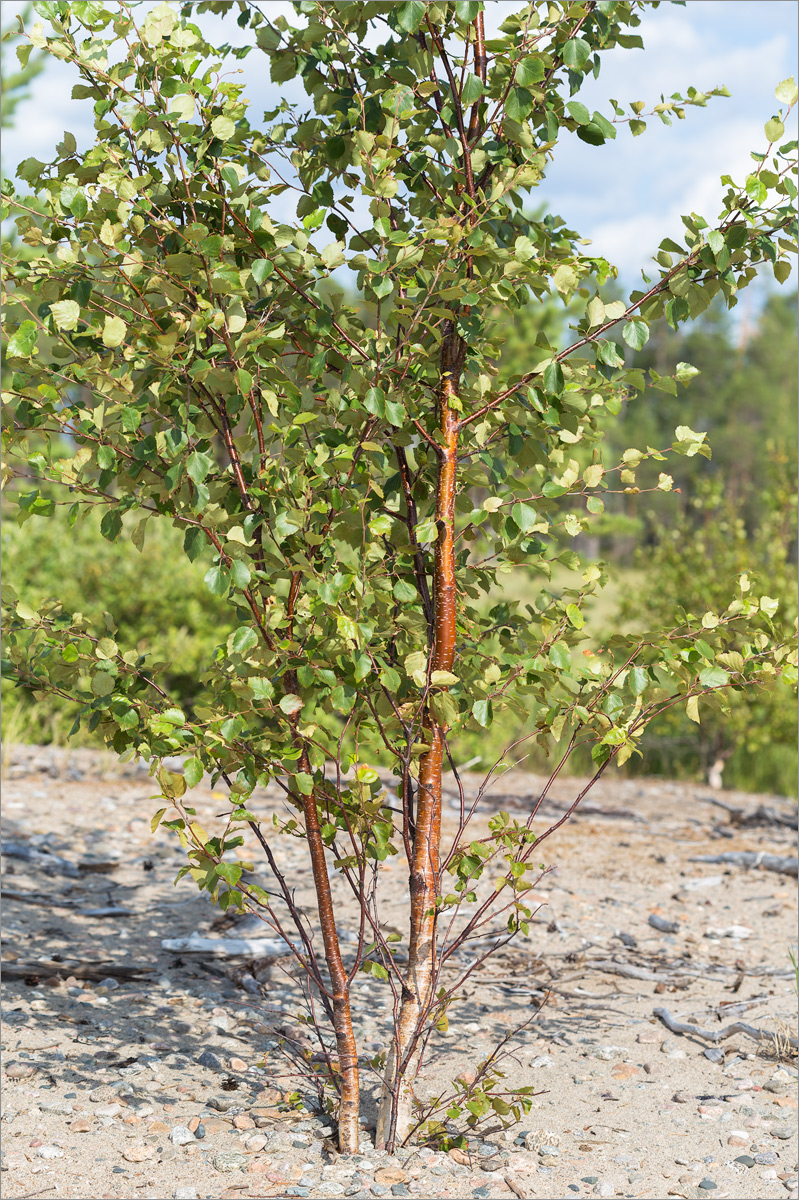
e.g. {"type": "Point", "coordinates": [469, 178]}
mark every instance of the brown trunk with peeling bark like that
{"type": "Point", "coordinates": [396, 1105]}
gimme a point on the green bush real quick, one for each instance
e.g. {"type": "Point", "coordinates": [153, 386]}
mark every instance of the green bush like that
{"type": "Point", "coordinates": [156, 599]}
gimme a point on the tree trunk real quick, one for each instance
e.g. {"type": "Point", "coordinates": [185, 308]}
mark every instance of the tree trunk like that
{"type": "Point", "coordinates": [348, 1128]}
{"type": "Point", "coordinates": [395, 1114]}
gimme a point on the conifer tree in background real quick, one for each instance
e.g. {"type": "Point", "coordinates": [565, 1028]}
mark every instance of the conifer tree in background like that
{"type": "Point", "coordinates": [357, 477]}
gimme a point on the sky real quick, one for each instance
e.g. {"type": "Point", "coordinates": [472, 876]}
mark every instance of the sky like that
{"type": "Point", "coordinates": [627, 195]}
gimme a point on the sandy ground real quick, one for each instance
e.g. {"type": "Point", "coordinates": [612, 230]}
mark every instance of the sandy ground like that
{"type": "Point", "coordinates": [104, 1095]}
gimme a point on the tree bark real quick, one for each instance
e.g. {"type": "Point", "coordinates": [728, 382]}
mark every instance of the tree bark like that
{"type": "Point", "coordinates": [395, 1113]}
{"type": "Point", "coordinates": [349, 1101]}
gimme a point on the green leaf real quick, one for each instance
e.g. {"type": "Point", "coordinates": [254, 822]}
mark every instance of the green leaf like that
{"type": "Point", "coordinates": [405, 592]}
{"type": "Point", "coordinates": [261, 269]}
{"type": "Point", "coordinates": [410, 15]}
{"type": "Point", "coordinates": [245, 638]}
{"type": "Point", "coordinates": [530, 70]}
{"type": "Point", "coordinates": [636, 334]}
{"type": "Point", "coordinates": [217, 581]}
{"type": "Point", "coordinates": [467, 10]}
{"type": "Point", "coordinates": [560, 656]}
{"type": "Point", "coordinates": [290, 704]}
{"type": "Point", "coordinates": [692, 709]}
{"type": "Point", "coordinates": [578, 111]}
{"type": "Point", "coordinates": [481, 711]}
{"type": "Point", "coordinates": [524, 516]}
{"type": "Point", "coordinates": [638, 680]}
{"type": "Point", "coordinates": [23, 340]}
{"type": "Point", "coordinates": [774, 130]}
{"type": "Point", "coordinates": [575, 53]}
{"type": "Point", "coordinates": [223, 128]}
{"type": "Point", "coordinates": [192, 771]}
{"type": "Point", "coordinates": [713, 677]}
{"type": "Point", "coordinates": [575, 616]}
{"type": "Point", "coordinates": [519, 103]}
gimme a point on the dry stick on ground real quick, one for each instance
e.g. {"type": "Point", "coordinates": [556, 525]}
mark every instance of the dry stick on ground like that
{"type": "Point", "coordinates": [716, 1035]}
{"type": "Point", "coordinates": [753, 858]}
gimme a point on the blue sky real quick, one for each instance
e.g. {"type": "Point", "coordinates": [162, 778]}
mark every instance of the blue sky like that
{"type": "Point", "coordinates": [625, 196]}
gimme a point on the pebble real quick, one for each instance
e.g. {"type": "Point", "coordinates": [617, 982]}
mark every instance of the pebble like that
{"type": "Point", "coordinates": [229, 1160]}
{"type": "Point", "coordinates": [80, 1126]}
{"type": "Point", "coordinates": [766, 1159]}
{"type": "Point", "coordinates": [49, 1152]}
{"type": "Point", "coordinates": [181, 1136]}
{"type": "Point", "coordinates": [738, 1137]}
{"type": "Point", "coordinates": [20, 1071]}
{"type": "Point", "coordinates": [139, 1153]}
{"type": "Point", "coordinates": [103, 1094]}
{"type": "Point", "coordinates": [61, 1108]}
{"type": "Point", "coordinates": [604, 1188]}
{"type": "Point", "coordinates": [745, 1160]}
{"type": "Point", "coordinates": [708, 1185]}
{"type": "Point", "coordinates": [782, 1131]}
{"type": "Point", "coordinates": [207, 1059]}
{"type": "Point", "coordinates": [185, 1193]}
{"type": "Point", "coordinates": [671, 1050]}
{"type": "Point", "coordinates": [223, 1103]}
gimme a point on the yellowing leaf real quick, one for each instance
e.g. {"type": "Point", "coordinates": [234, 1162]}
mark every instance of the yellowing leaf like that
{"type": "Point", "coordinates": [692, 709]}
{"type": "Point", "coordinates": [66, 313]}
{"type": "Point", "coordinates": [114, 330]}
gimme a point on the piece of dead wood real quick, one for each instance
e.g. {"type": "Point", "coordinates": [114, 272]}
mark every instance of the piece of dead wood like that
{"type": "Point", "coordinates": [588, 808]}
{"type": "Point", "coordinates": [753, 858]}
{"type": "Point", "coordinates": [74, 905]}
{"type": "Point", "coordinates": [54, 864]}
{"type": "Point", "coordinates": [764, 814]}
{"type": "Point", "coordinates": [225, 947]}
{"type": "Point", "coordinates": [717, 1035]}
{"type": "Point", "coordinates": [46, 968]}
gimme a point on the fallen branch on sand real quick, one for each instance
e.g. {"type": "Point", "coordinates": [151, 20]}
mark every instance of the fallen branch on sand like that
{"type": "Point", "coordinates": [753, 858]}
{"type": "Point", "coordinates": [713, 1035]}
{"type": "Point", "coordinates": [47, 968]}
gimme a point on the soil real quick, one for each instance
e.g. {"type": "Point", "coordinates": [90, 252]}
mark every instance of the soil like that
{"type": "Point", "coordinates": [102, 1075]}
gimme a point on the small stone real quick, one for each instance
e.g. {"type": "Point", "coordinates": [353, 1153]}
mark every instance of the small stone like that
{"type": "Point", "coordinates": [199, 1132]}
{"type": "Point", "coordinates": [19, 1071]}
{"type": "Point", "coordinates": [103, 1094]}
{"type": "Point", "coordinates": [649, 1037]}
{"type": "Point", "coordinates": [682, 1098]}
{"type": "Point", "coordinates": [185, 1193]}
{"type": "Point", "coordinates": [604, 1188]}
{"type": "Point", "coordinates": [80, 1126]}
{"type": "Point", "coordinates": [377, 1189]}
{"type": "Point", "coordinates": [49, 1152]}
{"type": "Point", "coordinates": [229, 1160]}
{"type": "Point", "coordinates": [624, 1071]}
{"type": "Point", "coordinates": [237, 1064]}
{"type": "Point", "coordinates": [158, 1127]}
{"type": "Point", "coordinates": [243, 1121]}
{"type": "Point", "coordinates": [256, 1142]}
{"type": "Point", "coordinates": [181, 1136]}
{"type": "Point", "coordinates": [738, 1137]}
{"type": "Point", "coordinates": [782, 1131]}
{"type": "Point", "coordinates": [745, 1160]}
{"type": "Point", "coordinates": [606, 1053]}
{"type": "Point", "coordinates": [766, 1159]}
{"type": "Point", "coordinates": [223, 1103]}
{"type": "Point", "coordinates": [391, 1175]}
{"type": "Point", "coordinates": [209, 1060]}
{"type": "Point", "coordinates": [714, 1054]}
{"type": "Point", "coordinates": [61, 1108]}
{"type": "Point", "coordinates": [708, 1185]}
{"type": "Point", "coordinates": [139, 1153]}
{"type": "Point", "coordinates": [671, 1050]}
{"type": "Point", "coordinates": [399, 1189]}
